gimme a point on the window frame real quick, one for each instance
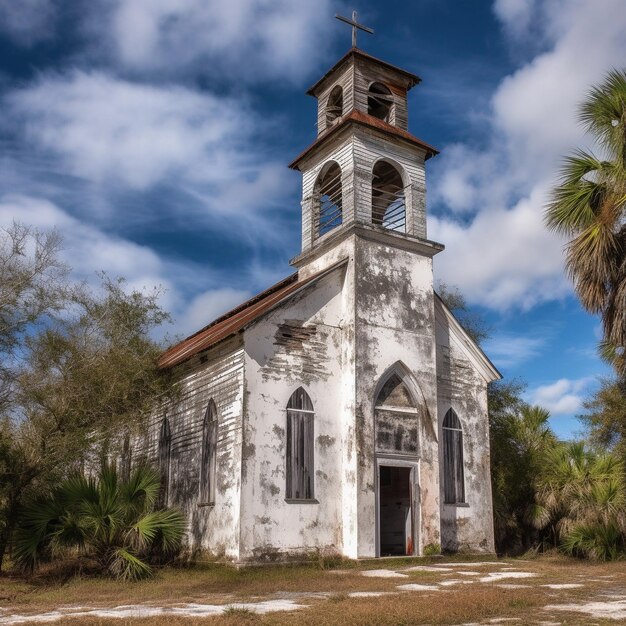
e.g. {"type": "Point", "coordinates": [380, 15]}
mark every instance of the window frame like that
{"type": "Point", "coordinates": [453, 461]}
{"type": "Point", "coordinates": [208, 460]}
{"type": "Point", "coordinates": [306, 446]}
{"type": "Point", "coordinates": [165, 460]}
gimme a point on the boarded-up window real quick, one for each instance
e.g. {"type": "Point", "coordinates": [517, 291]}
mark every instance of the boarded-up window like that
{"type": "Point", "coordinates": [300, 462]}
{"type": "Point", "coordinates": [126, 458]}
{"type": "Point", "coordinates": [453, 475]}
{"type": "Point", "coordinates": [396, 419]}
{"type": "Point", "coordinates": [209, 455]}
{"type": "Point", "coordinates": [165, 444]}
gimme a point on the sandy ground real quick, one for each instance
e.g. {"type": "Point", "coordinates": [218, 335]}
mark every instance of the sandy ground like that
{"type": "Point", "coordinates": [543, 591]}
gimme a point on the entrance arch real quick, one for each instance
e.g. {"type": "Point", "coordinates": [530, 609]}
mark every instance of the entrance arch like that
{"type": "Point", "coordinates": [397, 415]}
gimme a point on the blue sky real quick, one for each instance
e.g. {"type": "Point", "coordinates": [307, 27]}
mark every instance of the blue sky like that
{"type": "Point", "coordinates": [156, 136]}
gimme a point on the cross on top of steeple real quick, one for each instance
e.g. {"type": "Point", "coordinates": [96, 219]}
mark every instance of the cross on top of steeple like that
{"type": "Point", "coordinates": [355, 26]}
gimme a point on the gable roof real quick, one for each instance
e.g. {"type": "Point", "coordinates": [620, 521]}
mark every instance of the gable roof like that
{"type": "Point", "coordinates": [412, 79]}
{"type": "Point", "coordinates": [358, 117]}
{"type": "Point", "coordinates": [475, 353]}
{"type": "Point", "coordinates": [238, 318]}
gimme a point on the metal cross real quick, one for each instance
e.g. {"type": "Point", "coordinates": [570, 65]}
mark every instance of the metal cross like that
{"type": "Point", "coordinates": [355, 26]}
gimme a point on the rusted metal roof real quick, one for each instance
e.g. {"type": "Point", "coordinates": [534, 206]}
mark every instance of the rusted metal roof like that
{"type": "Point", "coordinates": [358, 117]}
{"type": "Point", "coordinates": [236, 319]}
{"type": "Point", "coordinates": [412, 79]}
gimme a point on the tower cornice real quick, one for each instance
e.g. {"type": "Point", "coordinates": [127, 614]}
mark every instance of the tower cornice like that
{"type": "Point", "coordinates": [410, 78]}
{"type": "Point", "coordinates": [356, 117]}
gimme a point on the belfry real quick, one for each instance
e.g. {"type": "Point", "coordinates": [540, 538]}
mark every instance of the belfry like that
{"type": "Point", "coordinates": [344, 409]}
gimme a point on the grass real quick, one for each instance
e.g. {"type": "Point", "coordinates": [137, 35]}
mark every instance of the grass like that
{"type": "Point", "coordinates": [216, 584]}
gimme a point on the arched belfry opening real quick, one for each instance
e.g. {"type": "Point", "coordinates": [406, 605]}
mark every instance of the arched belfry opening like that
{"type": "Point", "coordinates": [328, 193]}
{"type": "Point", "coordinates": [379, 101]}
{"type": "Point", "coordinates": [334, 106]}
{"type": "Point", "coordinates": [388, 198]}
{"type": "Point", "coordinates": [396, 437]}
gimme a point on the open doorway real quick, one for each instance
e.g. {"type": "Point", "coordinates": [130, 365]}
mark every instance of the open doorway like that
{"type": "Point", "coordinates": [395, 511]}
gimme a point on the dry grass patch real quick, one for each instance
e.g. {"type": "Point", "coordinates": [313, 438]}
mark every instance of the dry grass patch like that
{"type": "Point", "coordinates": [328, 593]}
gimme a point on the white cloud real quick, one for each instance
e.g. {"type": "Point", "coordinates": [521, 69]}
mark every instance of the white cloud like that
{"type": "Point", "coordinates": [500, 253]}
{"type": "Point", "coordinates": [504, 257]}
{"type": "Point", "coordinates": [511, 350]}
{"type": "Point", "coordinates": [244, 39]}
{"type": "Point", "coordinates": [207, 306]}
{"type": "Point", "coordinates": [28, 22]}
{"type": "Point", "coordinates": [110, 138]}
{"type": "Point", "coordinates": [562, 397]}
{"type": "Point", "coordinates": [110, 130]}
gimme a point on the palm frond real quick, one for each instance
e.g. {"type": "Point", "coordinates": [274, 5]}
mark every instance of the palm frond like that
{"type": "Point", "coordinates": [128, 566]}
{"type": "Point", "coordinates": [604, 112]}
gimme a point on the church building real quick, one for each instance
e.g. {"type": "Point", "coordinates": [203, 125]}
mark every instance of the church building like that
{"type": "Point", "coordinates": [344, 409]}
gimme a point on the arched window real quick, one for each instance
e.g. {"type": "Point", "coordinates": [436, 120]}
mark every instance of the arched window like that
{"type": "Point", "coordinates": [334, 106]}
{"type": "Point", "coordinates": [329, 200]}
{"type": "Point", "coordinates": [126, 458]}
{"type": "Point", "coordinates": [379, 101]}
{"type": "Point", "coordinates": [453, 474]}
{"type": "Point", "coordinates": [388, 202]}
{"type": "Point", "coordinates": [396, 419]}
{"type": "Point", "coordinates": [300, 462]}
{"type": "Point", "coordinates": [209, 455]}
{"type": "Point", "coordinates": [165, 444]}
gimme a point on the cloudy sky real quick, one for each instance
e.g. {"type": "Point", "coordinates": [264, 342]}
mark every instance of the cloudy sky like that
{"type": "Point", "coordinates": [155, 135]}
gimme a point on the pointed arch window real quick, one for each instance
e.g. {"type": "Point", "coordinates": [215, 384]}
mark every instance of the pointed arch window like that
{"type": "Point", "coordinates": [165, 445]}
{"type": "Point", "coordinates": [388, 198]}
{"type": "Point", "coordinates": [453, 469]}
{"type": "Point", "coordinates": [300, 447]}
{"type": "Point", "coordinates": [209, 454]}
{"type": "Point", "coordinates": [380, 101]}
{"type": "Point", "coordinates": [329, 201]}
{"type": "Point", "coordinates": [396, 419]}
{"type": "Point", "coordinates": [334, 106]}
{"type": "Point", "coordinates": [126, 458]}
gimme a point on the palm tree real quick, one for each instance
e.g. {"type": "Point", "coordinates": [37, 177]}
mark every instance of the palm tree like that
{"type": "Point", "coordinates": [581, 496]}
{"type": "Point", "coordinates": [106, 519]}
{"type": "Point", "coordinates": [589, 206]}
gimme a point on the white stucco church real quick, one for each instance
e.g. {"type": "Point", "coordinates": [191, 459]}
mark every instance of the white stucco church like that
{"type": "Point", "coordinates": [344, 409]}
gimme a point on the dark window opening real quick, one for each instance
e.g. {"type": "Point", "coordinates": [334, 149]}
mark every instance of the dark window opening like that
{"type": "Point", "coordinates": [126, 458]}
{"type": "Point", "coordinates": [209, 455]}
{"type": "Point", "coordinates": [388, 201]}
{"type": "Point", "coordinates": [165, 444]}
{"type": "Point", "coordinates": [334, 106]}
{"type": "Point", "coordinates": [379, 101]}
{"type": "Point", "coordinates": [329, 199]}
{"type": "Point", "coordinates": [453, 471]}
{"type": "Point", "coordinates": [300, 447]}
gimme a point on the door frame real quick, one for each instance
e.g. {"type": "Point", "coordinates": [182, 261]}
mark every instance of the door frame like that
{"type": "Point", "coordinates": [414, 466]}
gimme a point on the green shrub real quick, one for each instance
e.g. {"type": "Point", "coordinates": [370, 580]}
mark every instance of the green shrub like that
{"type": "Point", "coordinates": [109, 520]}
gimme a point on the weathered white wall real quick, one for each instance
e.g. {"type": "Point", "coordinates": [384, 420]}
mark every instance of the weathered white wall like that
{"type": "Point", "coordinates": [394, 325]}
{"type": "Point", "coordinates": [275, 368]}
{"type": "Point", "coordinates": [218, 374]}
{"type": "Point", "coordinates": [462, 387]}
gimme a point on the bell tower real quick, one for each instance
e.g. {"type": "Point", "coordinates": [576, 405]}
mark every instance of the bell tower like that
{"type": "Point", "coordinates": [364, 211]}
{"type": "Point", "coordinates": [364, 169]}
